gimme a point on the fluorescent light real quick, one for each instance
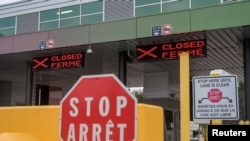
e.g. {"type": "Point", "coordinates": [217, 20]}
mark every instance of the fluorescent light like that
{"type": "Point", "coordinates": [68, 11]}
{"type": "Point", "coordinates": [65, 12]}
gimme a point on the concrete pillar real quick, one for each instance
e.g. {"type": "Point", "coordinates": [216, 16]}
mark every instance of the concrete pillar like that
{"type": "Point", "coordinates": [123, 67]}
{"type": "Point", "coordinates": [246, 51]}
{"type": "Point", "coordinates": [29, 84]}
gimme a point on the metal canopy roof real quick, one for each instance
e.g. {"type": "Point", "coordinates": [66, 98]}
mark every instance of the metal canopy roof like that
{"type": "Point", "coordinates": [224, 51]}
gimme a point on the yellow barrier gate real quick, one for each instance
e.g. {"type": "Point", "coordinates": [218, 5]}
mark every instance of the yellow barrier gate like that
{"type": "Point", "coordinates": [41, 123]}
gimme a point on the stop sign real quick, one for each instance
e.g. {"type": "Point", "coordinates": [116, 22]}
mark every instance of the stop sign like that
{"type": "Point", "coordinates": [98, 108]}
{"type": "Point", "coordinates": [214, 95]}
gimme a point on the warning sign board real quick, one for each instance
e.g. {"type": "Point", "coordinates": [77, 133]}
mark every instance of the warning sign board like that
{"type": "Point", "coordinates": [98, 108]}
{"type": "Point", "coordinates": [167, 29]}
{"type": "Point", "coordinates": [215, 97]}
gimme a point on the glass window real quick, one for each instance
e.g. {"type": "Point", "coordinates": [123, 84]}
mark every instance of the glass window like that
{"type": "Point", "coordinates": [144, 2]}
{"type": "Point", "coordinates": [70, 11]}
{"type": "Point", "coordinates": [92, 19]}
{"type": "Point", "coordinates": [7, 32]}
{"type": "Point", "coordinates": [148, 10]}
{"type": "Point", "coordinates": [70, 22]}
{"type": "Point", "coordinates": [72, 15]}
{"type": "Point", "coordinates": [49, 25]}
{"type": "Point", "coordinates": [174, 5]}
{"type": "Point", "coordinates": [149, 7]}
{"type": "Point", "coordinates": [49, 15]}
{"type": "Point", "coordinates": [228, 1]}
{"type": "Point", "coordinates": [93, 7]}
{"type": "Point", "coordinates": [7, 22]}
{"type": "Point", "coordinates": [203, 3]}
{"type": "Point", "coordinates": [7, 26]}
{"type": "Point", "coordinates": [169, 0]}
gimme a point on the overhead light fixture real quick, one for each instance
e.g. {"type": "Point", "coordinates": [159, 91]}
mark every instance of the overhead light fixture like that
{"type": "Point", "coordinates": [65, 12]}
{"type": "Point", "coordinates": [89, 51]}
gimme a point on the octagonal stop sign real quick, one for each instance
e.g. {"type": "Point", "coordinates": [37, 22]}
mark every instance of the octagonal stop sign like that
{"type": "Point", "coordinates": [215, 95]}
{"type": "Point", "coordinates": [98, 108]}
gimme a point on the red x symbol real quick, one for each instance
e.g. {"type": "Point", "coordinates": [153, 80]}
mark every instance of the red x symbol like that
{"type": "Point", "coordinates": [148, 52]}
{"type": "Point", "coordinates": [40, 63]}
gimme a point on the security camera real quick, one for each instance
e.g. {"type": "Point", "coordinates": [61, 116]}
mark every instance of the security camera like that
{"type": "Point", "coordinates": [172, 95]}
{"type": "Point", "coordinates": [89, 51]}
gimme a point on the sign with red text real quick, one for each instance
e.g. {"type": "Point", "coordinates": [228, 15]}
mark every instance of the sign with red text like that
{"type": "Point", "coordinates": [167, 29]}
{"type": "Point", "coordinates": [62, 61]}
{"type": "Point", "coordinates": [215, 97]}
{"type": "Point", "coordinates": [195, 48]}
{"type": "Point", "coordinates": [98, 108]}
{"type": "Point", "coordinates": [50, 43]}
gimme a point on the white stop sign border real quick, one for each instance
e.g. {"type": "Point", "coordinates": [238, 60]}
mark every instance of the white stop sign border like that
{"type": "Point", "coordinates": [100, 76]}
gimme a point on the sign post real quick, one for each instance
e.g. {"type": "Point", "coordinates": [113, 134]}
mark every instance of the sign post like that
{"type": "Point", "coordinates": [215, 97]}
{"type": "Point", "coordinates": [184, 97]}
{"type": "Point", "coordinates": [98, 108]}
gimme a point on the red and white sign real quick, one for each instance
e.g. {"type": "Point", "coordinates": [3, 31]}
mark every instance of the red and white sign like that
{"type": "Point", "coordinates": [215, 95]}
{"type": "Point", "coordinates": [167, 29]}
{"type": "Point", "coordinates": [61, 61]}
{"type": "Point", "coordinates": [50, 43]}
{"type": "Point", "coordinates": [172, 50]}
{"type": "Point", "coordinates": [98, 108]}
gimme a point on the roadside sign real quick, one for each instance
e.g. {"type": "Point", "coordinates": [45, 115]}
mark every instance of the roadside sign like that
{"type": "Point", "coordinates": [42, 45]}
{"type": "Point", "coordinates": [98, 108]}
{"type": "Point", "coordinates": [215, 97]}
{"type": "Point", "coordinates": [59, 61]}
{"type": "Point", "coordinates": [171, 50]}
{"type": "Point", "coordinates": [156, 30]}
{"type": "Point", "coordinates": [50, 43]}
{"type": "Point", "coordinates": [167, 29]}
